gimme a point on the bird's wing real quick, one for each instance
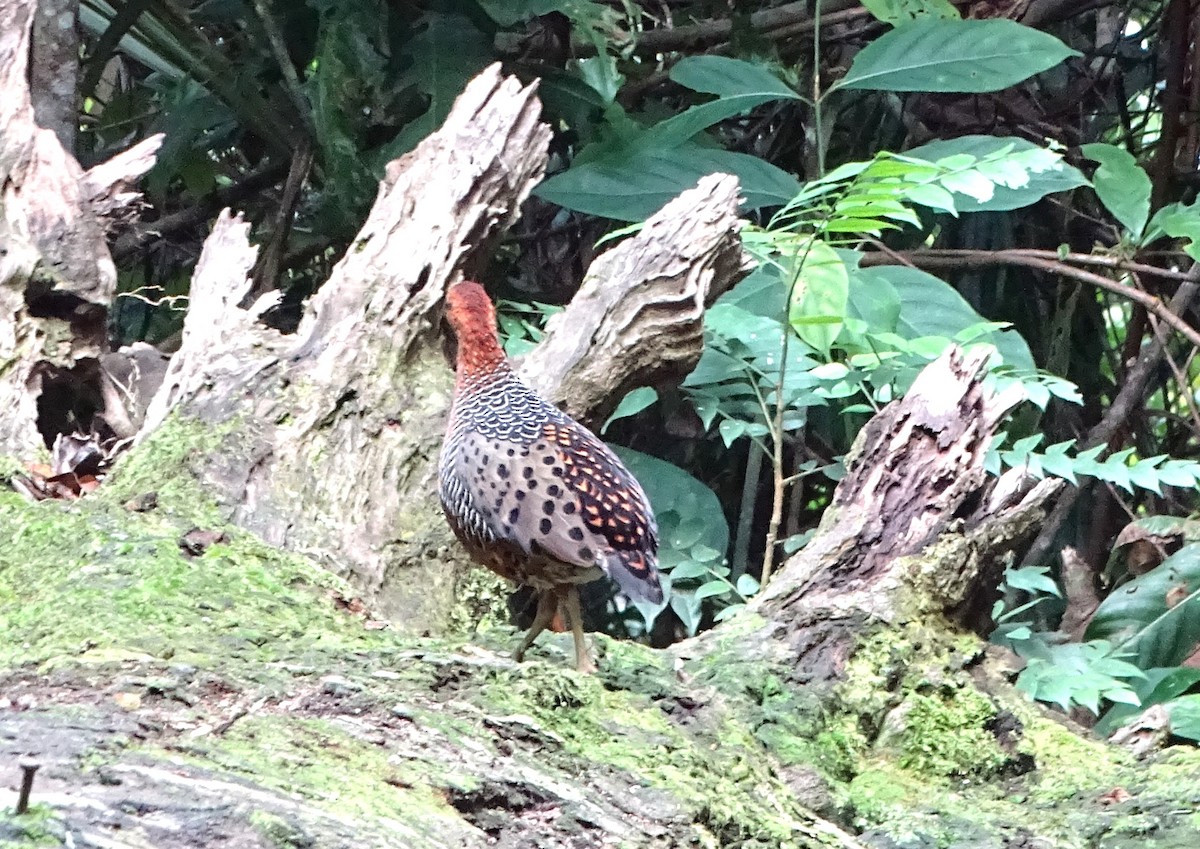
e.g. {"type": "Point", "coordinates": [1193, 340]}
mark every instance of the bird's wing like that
{"type": "Point", "coordinates": [508, 497]}
{"type": "Point", "coordinates": [563, 500]}
{"type": "Point", "coordinates": [617, 521]}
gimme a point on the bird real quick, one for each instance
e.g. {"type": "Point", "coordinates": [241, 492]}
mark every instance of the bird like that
{"type": "Point", "coordinates": [531, 493]}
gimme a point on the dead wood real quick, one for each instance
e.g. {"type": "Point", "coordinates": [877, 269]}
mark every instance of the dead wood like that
{"type": "Point", "coordinates": [910, 531]}
{"type": "Point", "coordinates": [56, 275]}
{"type": "Point", "coordinates": [637, 319]}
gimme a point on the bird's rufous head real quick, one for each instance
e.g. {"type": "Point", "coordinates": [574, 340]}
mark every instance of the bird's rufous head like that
{"type": "Point", "coordinates": [473, 319]}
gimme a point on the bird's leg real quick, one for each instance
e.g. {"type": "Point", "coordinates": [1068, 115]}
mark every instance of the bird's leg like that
{"type": "Point", "coordinates": [547, 606]}
{"type": "Point", "coordinates": [583, 659]}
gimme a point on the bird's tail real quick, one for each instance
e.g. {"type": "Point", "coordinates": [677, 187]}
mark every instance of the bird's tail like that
{"type": "Point", "coordinates": [636, 573]}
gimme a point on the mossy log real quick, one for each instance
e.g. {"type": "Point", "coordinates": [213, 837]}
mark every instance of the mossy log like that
{"type": "Point", "coordinates": [242, 696]}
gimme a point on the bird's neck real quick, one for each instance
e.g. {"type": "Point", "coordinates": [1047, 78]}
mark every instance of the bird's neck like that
{"type": "Point", "coordinates": [479, 353]}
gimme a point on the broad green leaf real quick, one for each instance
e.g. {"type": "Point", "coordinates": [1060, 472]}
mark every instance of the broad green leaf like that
{"type": "Point", "coordinates": [1178, 221]}
{"type": "Point", "coordinates": [634, 187]}
{"type": "Point", "coordinates": [1122, 186]}
{"type": "Point", "coordinates": [1032, 579]}
{"type": "Point", "coordinates": [873, 300]}
{"type": "Point", "coordinates": [818, 305]}
{"type": "Point", "coordinates": [601, 75]}
{"type": "Point", "coordinates": [678, 129]}
{"type": "Point", "coordinates": [728, 77]}
{"type": "Point", "coordinates": [446, 53]}
{"type": "Point", "coordinates": [508, 12]}
{"type": "Point", "coordinates": [929, 307]}
{"type": "Point", "coordinates": [747, 585]}
{"type": "Point", "coordinates": [954, 56]}
{"type": "Point", "coordinates": [677, 497]}
{"type": "Point", "coordinates": [1159, 685]}
{"type": "Point", "coordinates": [687, 608]}
{"type": "Point", "coordinates": [690, 570]}
{"type": "Point", "coordinates": [1055, 176]}
{"type": "Point", "coordinates": [713, 588]}
{"type": "Point", "coordinates": [1156, 616]}
{"type": "Point", "coordinates": [1185, 716]}
{"type": "Point", "coordinates": [567, 97]}
{"type": "Point", "coordinates": [633, 403]}
{"type": "Point", "coordinates": [731, 431]}
{"type": "Point", "coordinates": [901, 11]}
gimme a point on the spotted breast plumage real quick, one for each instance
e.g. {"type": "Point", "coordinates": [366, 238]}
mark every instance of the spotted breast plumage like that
{"type": "Point", "coordinates": [531, 493]}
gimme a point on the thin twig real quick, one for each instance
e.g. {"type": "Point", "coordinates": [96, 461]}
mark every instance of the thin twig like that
{"type": "Point", "coordinates": [977, 259]}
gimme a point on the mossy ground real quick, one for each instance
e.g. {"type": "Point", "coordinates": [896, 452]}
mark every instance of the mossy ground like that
{"type": "Point", "coordinates": [99, 602]}
{"type": "Point", "coordinates": [914, 753]}
{"type": "Point", "coordinates": [224, 663]}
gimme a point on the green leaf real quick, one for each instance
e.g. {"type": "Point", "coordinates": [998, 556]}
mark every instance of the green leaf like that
{"type": "Point", "coordinates": [677, 497]}
{"type": "Point", "coordinates": [633, 403]}
{"type": "Point", "coordinates": [1056, 176]}
{"type": "Point", "coordinates": [732, 430]}
{"type": "Point", "coordinates": [954, 56]}
{"type": "Point", "coordinates": [1185, 716]}
{"type": "Point", "coordinates": [900, 11]}
{"type": "Point", "coordinates": [509, 12]}
{"type": "Point", "coordinates": [634, 187]}
{"type": "Point", "coordinates": [1122, 186]}
{"type": "Point", "coordinates": [690, 570]}
{"type": "Point", "coordinates": [687, 608]}
{"type": "Point", "coordinates": [1156, 616]}
{"type": "Point", "coordinates": [747, 585]}
{"type": "Point", "coordinates": [601, 75]}
{"type": "Point", "coordinates": [678, 129]}
{"type": "Point", "coordinates": [448, 51]}
{"type": "Point", "coordinates": [1032, 579]}
{"type": "Point", "coordinates": [713, 588]}
{"type": "Point", "coordinates": [1178, 221]}
{"type": "Point", "coordinates": [728, 77]}
{"type": "Point", "coordinates": [821, 293]}
{"type": "Point", "coordinates": [929, 307]}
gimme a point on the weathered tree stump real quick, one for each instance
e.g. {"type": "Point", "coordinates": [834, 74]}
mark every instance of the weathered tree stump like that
{"type": "Point", "coordinates": [56, 276]}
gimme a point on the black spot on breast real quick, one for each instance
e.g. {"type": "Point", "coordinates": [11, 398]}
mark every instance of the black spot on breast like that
{"type": "Point", "coordinates": [520, 494]}
{"type": "Point", "coordinates": [545, 526]}
{"type": "Point", "coordinates": [585, 553]}
{"type": "Point", "coordinates": [554, 490]}
{"type": "Point", "coordinates": [557, 471]}
{"type": "Point", "coordinates": [548, 507]}
{"type": "Point", "coordinates": [569, 508]}
{"type": "Point", "coordinates": [532, 484]}
{"type": "Point", "coordinates": [513, 515]}
{"type": "Point", "coordinates": [576, 534]}
{"type": "Point", "coordinates": [511, 451]}
{"type": "Point", "coordinates": [548, 460]}
{"type": "Point", "coordinates": [527, 472]}
{"type": "Point", "coordinates": [502, 471]}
